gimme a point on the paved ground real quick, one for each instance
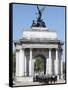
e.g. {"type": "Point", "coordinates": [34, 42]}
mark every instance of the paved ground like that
{"type": "Point", "coordinates": [35, 83]}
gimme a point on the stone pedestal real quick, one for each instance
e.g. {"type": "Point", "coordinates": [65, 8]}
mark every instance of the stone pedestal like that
{"type": "Point", "coordinates": [24, 79]}
{"type": "Point", "coordinates": [20, 63]}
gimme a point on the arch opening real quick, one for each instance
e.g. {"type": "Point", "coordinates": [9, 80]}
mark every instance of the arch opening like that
{"type": "Point", "coordinates": [40, 65]}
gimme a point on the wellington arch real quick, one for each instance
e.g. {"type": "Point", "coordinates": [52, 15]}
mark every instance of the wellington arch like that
{"type": "Point", "coordinates": [38, 41]}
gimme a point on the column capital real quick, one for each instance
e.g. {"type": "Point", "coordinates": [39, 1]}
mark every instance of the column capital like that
{"type": "Point", "coordinates": [50, 48]}
{"type": "Point", "coordinates": [21, 50]}
{"type": "Point", "coordinates": [57, 48]}
{"type": "Point", "coordinates": [31, 48]}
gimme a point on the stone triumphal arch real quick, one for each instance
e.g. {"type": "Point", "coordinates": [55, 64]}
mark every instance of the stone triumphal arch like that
{"type": "Point", "coordinates": [38, 40]}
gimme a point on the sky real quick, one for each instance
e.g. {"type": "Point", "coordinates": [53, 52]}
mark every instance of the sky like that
{"type": "Point", "coordinates": [23, 15]}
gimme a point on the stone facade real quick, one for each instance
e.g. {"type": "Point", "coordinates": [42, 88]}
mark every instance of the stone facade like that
{"type": "Point", "coordinates": [39, 41]}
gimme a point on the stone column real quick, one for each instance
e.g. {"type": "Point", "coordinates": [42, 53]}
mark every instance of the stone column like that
{"type": "Point", "coordinates": [61, 68]}
{"type": "Point", "coordinates": [47, 66]}
{"type": "Point", "coordinates": [17, 62]}
{"type": "Point", "coordinates": [57, 64]}
{"type": "Point", "coordinates": [25, 67]}
{"type": "Point", "coordinates": [30, 63]}
{"type": "Point", "coordinates": [21, 62]}
{"type": "Point", "coordinates": [33, 66]}
{"type": "Point", "coordinates": [50, 63]}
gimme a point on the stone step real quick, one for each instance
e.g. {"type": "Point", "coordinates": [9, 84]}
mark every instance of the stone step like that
{"type": "Point", "coordinates": [24, 79]}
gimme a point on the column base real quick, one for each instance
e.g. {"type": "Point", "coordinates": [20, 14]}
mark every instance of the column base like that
{"type": "Point", "coordinates": [24, 79]}
{"type": "Point", "coordinates": [25, 74]}
{"type": "Point", "coordinates": [57, 77]}
{"type": "Point", "coordinates": [61, 76]}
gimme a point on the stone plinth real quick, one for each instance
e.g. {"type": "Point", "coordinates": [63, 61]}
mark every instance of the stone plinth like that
{"type": "Point", "coordinates": [42, 33]}
{"type": "Point", "coordinates": [24, 79]}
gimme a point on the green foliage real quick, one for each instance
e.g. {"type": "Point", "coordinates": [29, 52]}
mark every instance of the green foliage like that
{"type": "Point", "coordinates": [14, 57]}
{"type": "Point", "coordinates": [14, 63]}
{"type": "Point", "coordinates": [39, 64]}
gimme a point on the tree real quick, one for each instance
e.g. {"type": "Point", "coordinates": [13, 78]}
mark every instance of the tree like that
{"type": "Point", "coordinates": [14, 63]}
{"type": "Point", "coordinates": [39, 64]}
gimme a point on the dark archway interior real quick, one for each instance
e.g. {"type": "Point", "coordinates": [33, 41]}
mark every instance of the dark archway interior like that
{"type": "Point", "coordinates": [40, 64]}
